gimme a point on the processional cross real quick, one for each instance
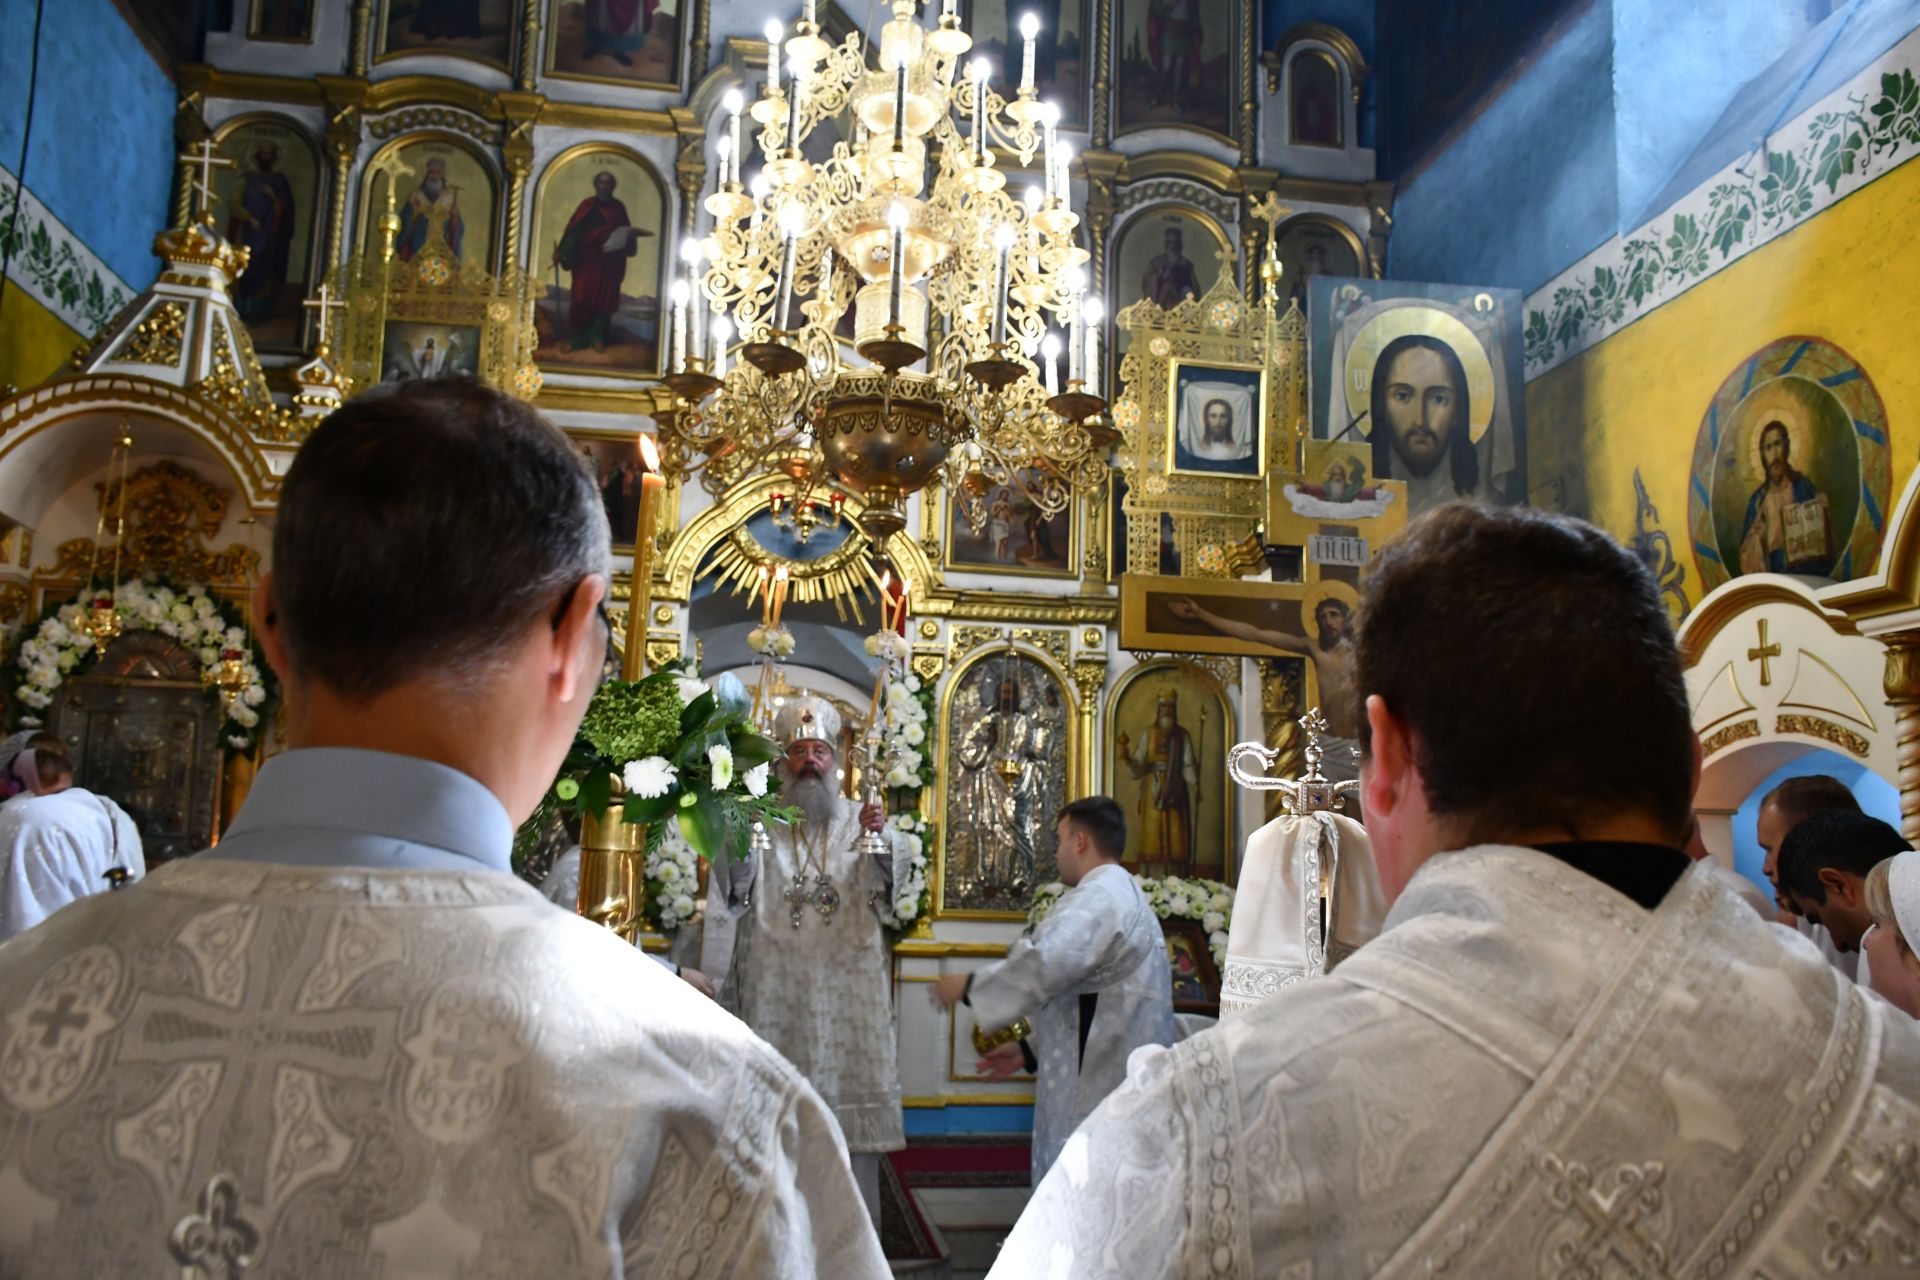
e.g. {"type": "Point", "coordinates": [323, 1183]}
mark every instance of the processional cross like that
{"type": "Point", "coordinates": [205, 160]}
{"type": "Point", "coordinates": [1764, 654]}
{"type": "Point", "coordinates": [325, 304]}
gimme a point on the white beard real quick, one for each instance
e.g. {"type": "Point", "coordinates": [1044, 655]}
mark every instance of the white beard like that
{"type": "Point", "coordinates": [814, 797]}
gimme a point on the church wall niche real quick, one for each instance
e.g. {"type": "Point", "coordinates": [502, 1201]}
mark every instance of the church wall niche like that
{"type": "Point", "coordinates": [1168, 248]}
{"type": "Point", "coordinates": [465, 207]}
{"type": "Point", "coordinates": [1176, 824]}
{"type": "Point", "coordinates": [274, 202]}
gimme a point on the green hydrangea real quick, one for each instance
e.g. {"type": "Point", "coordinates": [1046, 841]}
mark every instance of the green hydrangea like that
{"type": "Point", "coordinates": [631, 720]}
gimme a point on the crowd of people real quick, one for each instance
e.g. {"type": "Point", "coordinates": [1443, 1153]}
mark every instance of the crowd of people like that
{"type": "Point", "coordinates": [348, 1041]}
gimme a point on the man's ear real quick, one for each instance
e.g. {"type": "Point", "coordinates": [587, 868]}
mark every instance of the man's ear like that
{"type": "Point", "coordinates": [266, 626]}
{"type": "Point", "coordinates": [1837, 886]}
{"type": "Point", "coordinates": [577, 648]}
{"type": "Point", "coordinates": [1389, 759]}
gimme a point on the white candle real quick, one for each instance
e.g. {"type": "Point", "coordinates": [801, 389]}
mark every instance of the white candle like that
{"type": "Point", "coordinates": [1076, 285]}
{"type": "Point", "coordinates": [722, 336]}
{"type": "Point", "coordinates": [900, 106]}
{"type": "Point", "coordinates": [1094, 312]}
{"type": "Point", "coordinates": [758, 187]}
{"type": "Point", "coordinates": [806, 12]}
{"type": "Point", "coordinates": [896, 264]}
{"type": "Point", "coordinates": [950, 9]}
{"type": "Point", "coordinates": [1049, 358]}
{"type": "Point", "coordinates": [677, 354]}
{"type": "Point", "coordinates": [978, 69]}
{"type": "Point", "coordinates": [792, 219]}
{"type": "Point", "coordinates": [1063, 185]}
{"type": "Point", "coordinates": [1003, 241]}
{"type": "Point", "coordinates": [774, 32]}
{"type": "Point", "coordinates": [725, 148]}
{"type": "Point", "coordinates": [825, 291]}
{"type": "Point", "coordinates": [1029, 28]}
{"type": "Point", "coordinates": [795, 93]}
{"type": "Point", "coordinates": [697, 321]}
{"type": "Point", "coordinates": [1049, 122]}
{"type": "Point", "coordinates": [733, 102]}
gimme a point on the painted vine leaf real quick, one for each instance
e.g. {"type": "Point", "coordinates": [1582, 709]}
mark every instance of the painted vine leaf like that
{"type": "Point", "coordinates": [1570, 315]}
{"type": "Point", "coordinates": [1836, 158]}
{"type": "Point", "coordinates": [1644, 263]}
{"type": "Point", "coordinates": [1898, 110]}
{"type": "Point", "coordinates": [1539, 338]}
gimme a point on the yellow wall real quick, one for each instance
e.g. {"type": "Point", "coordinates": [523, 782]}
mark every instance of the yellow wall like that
{"type": "Point", "coordinates": [1850, 276]}
{"type": "Point", "coordinates": [34, 343]}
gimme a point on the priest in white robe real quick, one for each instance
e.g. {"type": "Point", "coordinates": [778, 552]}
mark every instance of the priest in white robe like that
{"type": "Point", "coordinates": [1074, 999]}
{"type": "Point", "coordinates": [1570, 1052]}
{"type": "Point", "coordinates": [349, 1041]}
{"type": "Point", "coordinates": [795, 944]}
{"type": "Point", "coordinates": [59, 842]}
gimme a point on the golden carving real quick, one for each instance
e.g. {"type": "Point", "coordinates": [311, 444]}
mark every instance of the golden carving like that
{"type": "Point", "coordinates": [1093, 638]}
{"type": "Point", "coordinates": [159, 338]}
{"type": "Point", "coordinates": [1902, 686]}
{"type": "Point", "coordinates": [172, 518]}
{"type": "Point", "coordinates": [1764, 654]}
{"type": "Point", "coordinates": [928, 666]}
{"type": "Point", "coordinates": [1282, 693]}
{"type": "Point", "coordinates": [662, 650]}
{"type": "Point", "coordinates": [965, 639]}
{"type": "Point", "coordinates": [929, 629]}
{"type": "Point", "coordinates": [13, 602]}
{"type": "Point", "coordinates": [1737, 732]}
{"type": "Point", "coordinates": [1818, 727]}
{"type": "Point", "coordinates": [1090, 677]}
{"type": "Point", "coordinates": [663, 615]}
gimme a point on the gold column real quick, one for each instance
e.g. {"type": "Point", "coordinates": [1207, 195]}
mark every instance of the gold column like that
{"type": "Point", "coordinates": [1101, 133]}
{"type": "Point", "coordinates": [691, 166]}
{"type": "Point", "coordinates": [699, 45]}
{"type": "Point", "coordinates": [1249, 107]}
{"type": "Point", "coordinates": [344, 98]}
{"type": "Point", "coordinates": [1902, 682]}
{"type": "Point", "coordinates": [357, 39]}
{"type": "Point", "coordinates": [530, 45]}
{"type": "Point", "coordinates": [1090, 679]}
{"type": "Point", "coordinates": [522, 111]}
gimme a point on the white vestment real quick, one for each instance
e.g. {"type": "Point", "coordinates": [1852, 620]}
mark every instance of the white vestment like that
{"type": "Point", "coordinates": [1101, 938]}
{"type": "Point", "coordinates": [1525, 1075]}
{"type": "Point", "coordinates": [58, 848]}
{"type": "Point", "coordinates": [821, 993]}
{"type": "Point", "coordinates": [410, 1073]}
{"type": "Point", "coordinates": [1281, 934]}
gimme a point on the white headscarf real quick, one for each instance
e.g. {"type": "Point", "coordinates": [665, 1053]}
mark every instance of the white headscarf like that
{"type": "Point", "coordinates": [1903, 886]}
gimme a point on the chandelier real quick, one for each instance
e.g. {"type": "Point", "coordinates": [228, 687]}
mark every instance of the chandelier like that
{"type": "Point", "coordinates": [955, 282]}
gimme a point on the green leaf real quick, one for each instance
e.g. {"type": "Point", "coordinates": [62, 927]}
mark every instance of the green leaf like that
{"type": "Point", "coordinates": [1836, 159]}
{"type": "Point", "coordinates": [596, 791]}
{"type": "Point", "coordinates": [640, 809]}
{"type": "Point", "coordinates": [750, 749]}
{"type": "Point", "coordinates": [706, 828]}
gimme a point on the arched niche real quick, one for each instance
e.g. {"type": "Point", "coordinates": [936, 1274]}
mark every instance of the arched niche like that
{"type": "Point", "coordinates": [1772, 674]}
{"type": "Point", "coordinates": [980, 856]}
{"type": "Point", "coordinates": [274, 204]}
{"type": "Point", "coordinates": [472, 170]}
{"type": "Point", "coordinates": [1203, 710]}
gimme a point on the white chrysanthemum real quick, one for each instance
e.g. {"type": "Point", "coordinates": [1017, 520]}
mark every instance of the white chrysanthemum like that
{"type": "Point", "coordinates": [181, 611]}
{"type": "Point", "coordinates": [1213, 922]}
{"type": "Point", "coordinates": [238, 742]}
{"type": "Point", "coordinates": [914, 734]}
{"type": "Point", "coordinates": [255, 694]}
{"type": "Point", "coordinates": [720, 757]}
{"type": "Point", "coordinates": [689, 689]}
{"type": "Point", "coordinates": [649, 778]}
{"type": "Point", "coordinates": [903, 906]}
{"type": "Point", "coordinates": [755, 779]}
{"type": "Point", "coordinates": [682, 905]}
{"type": "Point", "coordinates": [246, 717]}
{"type": "Point", "coordinates": [235, 638]}
{"type": "Point", "coordinates": [897, 777]}
{"type": "Point", "coordinates": [668, 874]}
{"type": "Point", "coordinates": [1219, 902]}
{"type": "Point", "coordinates": [913, 684]}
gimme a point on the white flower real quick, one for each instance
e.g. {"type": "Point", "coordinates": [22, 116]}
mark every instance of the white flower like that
{"type": "Point", "coordinates": [649, 778]}
{"type": "Point", "coordinates": [181, 611]}
{"type": "Point", "coordinates": [246, 717]}
{"type": "Point", "coordinates": [871, 645]}
{"type": "Point", "coordinates": [67, 660]}
{"type": "Point", "coordinates": [1219, 902]}
{"type": "Point", "coordinates": [689, 689]}
{"type": "Point", "coordinates": [784, 643]}
{"type": "Point", "coordinates": [255, 695]}
{"type": "Point", "coordinates": [236, 638]}
{"type": "Point", "coordinates": [903, 906]}
{"type": "Point", "coordinates": [721, 758]}
{"type": "Point", "coordinates": [238, 742]}
{"type": "Point", "coordinates": [913, 684]}
{"type": "Point", "coordinates": [682, 905]}
{"type": "Point", "coordinates": [669, 874]}
{"type": "Point", "coordinates": [755, 779]}
{"type": "Point", "coordinates": [914, 735]}
{"type": "Point", "coordinates": [898, 777]}
{"type": "Point", "coordinates": [1213, 922]}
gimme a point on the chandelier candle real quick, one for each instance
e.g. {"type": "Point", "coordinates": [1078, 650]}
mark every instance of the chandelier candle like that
{"type": "Point", "coordinates": [1049, 361]}
{"type": "Point", "coordinates": [1029, 28]}
{"type": "Point", "coordinates": [1050, 122]}
{"type": "Point", "coordinates": [696, 324]}
{"type": "Point", "coordinates": [1076, 286]}
{"type": "Point", "coordinates": [733, 103]}
{"type": "Point", "coordinates": [1003, 241]}
{"type": "Point", "coordinates": [791, 222]}
{"type": "Point", "coordinates": [900, 106]}
{"type": "Point", "coordinates": [722, 335]}
{"type": "Point", "coordinates": [978, 68]}
{"type": "Point", "coordinates": [774, 32]}
{"type": "Point", "coordinates": [677, 358]}
{"type": "Point", "coordinates": [794, 95]}
{"type": "Point", "coordinates": [897, 266]}
{"type": "Point", "coordinates": [1095, 311]}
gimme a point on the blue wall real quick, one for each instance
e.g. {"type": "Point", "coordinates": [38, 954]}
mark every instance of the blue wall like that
{"type": "Point", "coordinates": [102, 149]}
{"type": "Point", "coordinates": [1529, 186]}
{"type": "Point", "coordinates": [1355, 17]}
{"type": "Point", "coordinates": [1876, 795]}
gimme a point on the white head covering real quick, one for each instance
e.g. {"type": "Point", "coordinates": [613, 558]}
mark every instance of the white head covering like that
{"type": "Point", "coordinates": [12, 746]}
{"type": "Point", "coordinates": [807, 717]}
{"type": "Point", "coordinates": [1275, 940]}
{"type": "Point", "coordinates": [1903, 886]}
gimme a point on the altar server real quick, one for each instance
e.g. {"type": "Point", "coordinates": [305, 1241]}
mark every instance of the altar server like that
{"type": "Point", "coordinates": [1085, 989]}
{"type": "Point", "coordinates": [348, 1041]}
{"type": "Point", "coordinates": [59, 842]}
{"type": "Point", "coordinates": [1570, 1051]}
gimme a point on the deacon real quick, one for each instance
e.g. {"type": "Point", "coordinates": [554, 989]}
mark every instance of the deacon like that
{"type": "Point", "coordinates": [1570, 1052]}
{"type": "Point", "coordinates": [1088, 987]}
{"type": "Point", "coordinates": [58, 842]}
{"type": "Point", "coordinates": [795, 943]}
{"type": "Point", "coordinates": [350, 1041]}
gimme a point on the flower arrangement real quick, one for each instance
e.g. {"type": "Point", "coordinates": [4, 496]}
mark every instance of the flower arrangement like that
{"type": "Point", "coordinates": [682, 750]}
{"type": "Point", "coordinates": [213, 630]}
{"type": "Point", "coordinates": [905, 733]}
{"type": "Point", "coordinates": [913, 892]}
{"type": "Point", "coordinates": [1172, 898]}
{"type": "Point", "coordinates": [771, 640]}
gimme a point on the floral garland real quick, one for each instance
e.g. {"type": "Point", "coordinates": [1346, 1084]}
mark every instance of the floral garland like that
{"type": "Point", "coordinates": [1172, 898]}
{"type": "Point", "coordinates": [673, 876]}
{"type": "Point", "coordinates": [913, 895]}
{"type": "Point", "coordinates": [904, 735]}
{"type": "Point", "coordinates": [212, 629]}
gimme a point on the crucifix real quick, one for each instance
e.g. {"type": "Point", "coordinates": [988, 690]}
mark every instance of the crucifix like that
{"type": "Point", "coordinates": [1269, 210]}
{"type": "Point", "coordinates": [325, 304]}
{"type": "Point", "coordinates": [205, 160]}
{"type": "Point", "coordinates": [1764, 654]}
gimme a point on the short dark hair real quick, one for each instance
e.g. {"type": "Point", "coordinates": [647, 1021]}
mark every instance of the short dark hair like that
{"type": "Point", "coordinates": [51, 760]}
{"type": "Point", "coordinates": [421, 528]}
{"type": "Point", "coordinates": [1463, 459]}
{"type": "Point", "coordinates": [1104, 822]}
{"type": "Point", "coordinates": [1798, 799]}
{"type": "Point", "coordinates": [1840, 839]}
{"type": "Point", "coordinates": [1531, 658]}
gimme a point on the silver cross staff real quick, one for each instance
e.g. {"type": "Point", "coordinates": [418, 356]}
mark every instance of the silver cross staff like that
{"type": "Point", "coordinates": [1312, 792]}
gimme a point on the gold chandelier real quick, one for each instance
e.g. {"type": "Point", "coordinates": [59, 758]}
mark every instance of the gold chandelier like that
{"type": "Point", "coordinates": [954, 282]}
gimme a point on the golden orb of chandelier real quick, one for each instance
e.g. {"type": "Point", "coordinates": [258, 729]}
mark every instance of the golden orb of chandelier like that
{"type": "Point", "coordinates": [952, 281]}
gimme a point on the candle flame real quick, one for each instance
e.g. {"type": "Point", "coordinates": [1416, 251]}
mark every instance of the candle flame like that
{"type": "Point", "coordinates": [649, 455]}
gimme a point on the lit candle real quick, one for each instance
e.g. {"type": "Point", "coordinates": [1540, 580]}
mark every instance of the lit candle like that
{"type": "Point", "coordinates": [794, 95]}
{"type": "Point", "coordinates": [766, 591]}
{"type": "Point", "coordinates": [1094, 312]}
{"type": "Point", "coordinates": [678, 356]}
{"type": "Point", "coordinates": [1049, 359]}
{"type": "Point", "coordinates": [733, 102]}
{"type": "Point", "coordinates": [886, 599]}
{"type": "Point", "coordinates": [900, 615]}
{"type": "Point", "coordinates": [896, 262]}
{"type": "Point", "coordinates": [792, 219]}
{"type": "Point", "coordinates": [1062, 186]}
{"type": "Point", "coordinates": [722, 336]}
{"type": "Point", "coordinates": [1076, 285]}
{"type": "Point", "coordinates": [774, 32]}
{"type": "Point", "coordinates": [725, 148]}
{"type": "Point", "coordinates": [978, 69]}
{"type": "Point", "coordinates": [806, 11]}
{"type": "Point", "coordinates": [1049, 123]}
{"type": "Point", "coordinates": [640, 595]}
{"type": "Point", "coordinates": [900, 106]}
{"type": "Point", "coordinates": [781, 581]}
{"type": "Point", "coordinates": [825, 292]}
{"type": "Point", "coordinates": [759, 188]}
{"type": "Point", "coordinates": [1003, 241]}
{"type": "Point", "coordinates": [1029, 28]}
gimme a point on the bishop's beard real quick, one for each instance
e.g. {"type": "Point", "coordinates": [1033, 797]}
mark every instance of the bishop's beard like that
{"type": "Point", "coordinates": [814, 796]}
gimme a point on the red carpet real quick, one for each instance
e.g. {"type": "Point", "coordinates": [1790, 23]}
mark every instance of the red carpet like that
{"type": "Point", "coordinates": [953, 1161]}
